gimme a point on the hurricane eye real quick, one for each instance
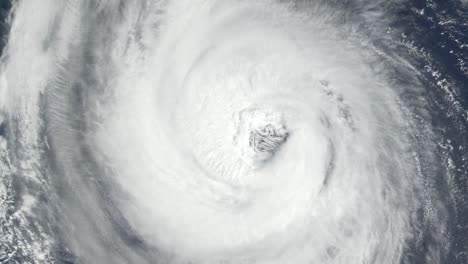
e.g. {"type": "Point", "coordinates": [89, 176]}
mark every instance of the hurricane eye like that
{"type": "Point", "coordinates": [260, 134]}
{"type": "Point", "coordinates": [267, 139]}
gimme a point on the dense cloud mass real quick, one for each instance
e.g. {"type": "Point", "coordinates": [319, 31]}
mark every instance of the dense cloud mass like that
{"type": "Point", "coordinates": [234, 131]}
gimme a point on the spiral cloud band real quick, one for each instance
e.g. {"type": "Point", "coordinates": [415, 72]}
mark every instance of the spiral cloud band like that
{"type": "Point", "coordinates": [203, 131]}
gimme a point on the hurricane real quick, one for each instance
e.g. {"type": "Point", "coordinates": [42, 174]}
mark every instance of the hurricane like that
{"type": "Point", "coordinates": [234, 131]}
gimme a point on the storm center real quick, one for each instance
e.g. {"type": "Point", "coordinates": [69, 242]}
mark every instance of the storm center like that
{"type": "Point", "coordinates": [260, 133]}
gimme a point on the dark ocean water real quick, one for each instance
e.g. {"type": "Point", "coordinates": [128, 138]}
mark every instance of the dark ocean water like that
{"type": "Point", "coordinates": [438, 31]}
{"type": "Point", "coordinates": [434, 38]}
